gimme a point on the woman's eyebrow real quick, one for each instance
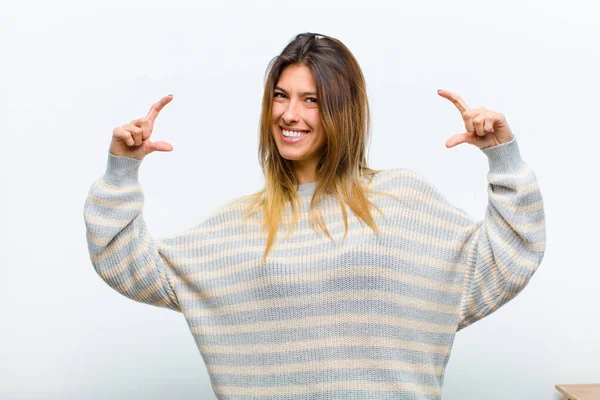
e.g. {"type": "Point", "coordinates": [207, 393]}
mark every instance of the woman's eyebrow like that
{"type": "Point", "coordinates": [301, 94]}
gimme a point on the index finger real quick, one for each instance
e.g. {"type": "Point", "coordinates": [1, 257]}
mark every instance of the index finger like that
{"type": "Point", "coordinates": [454, 98]}
{"type": "Point", "coordinates": [156, 107]}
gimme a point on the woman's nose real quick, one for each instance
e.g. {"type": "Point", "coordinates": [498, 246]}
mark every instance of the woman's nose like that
{"type": "Point", "coordinates": [290, 114]}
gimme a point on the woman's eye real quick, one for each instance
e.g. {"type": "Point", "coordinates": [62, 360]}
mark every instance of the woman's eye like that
{"type": "Point", "coordinates": [279, 94]}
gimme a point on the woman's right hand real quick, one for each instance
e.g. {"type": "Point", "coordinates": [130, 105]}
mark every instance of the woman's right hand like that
{"type": "Point", "coordinates": [133, 139]}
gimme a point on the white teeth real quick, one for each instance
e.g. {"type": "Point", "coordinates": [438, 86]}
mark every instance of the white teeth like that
{"type": "Point", "coordinates": [293, 134]}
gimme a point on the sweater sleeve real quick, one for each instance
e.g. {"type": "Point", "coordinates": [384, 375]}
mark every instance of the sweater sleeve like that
{"type": "Point", "coordinates": [504, 250]}
{"type": "Point", "coordinates": [121, 250]}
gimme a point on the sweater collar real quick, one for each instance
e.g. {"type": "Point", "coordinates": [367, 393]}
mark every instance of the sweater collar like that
{"type": "Point", "coordinates": [307, 189]}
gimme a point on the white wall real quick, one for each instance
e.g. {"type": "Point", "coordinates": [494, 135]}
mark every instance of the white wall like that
{"type": "Point", "coordinates": [71, 73]}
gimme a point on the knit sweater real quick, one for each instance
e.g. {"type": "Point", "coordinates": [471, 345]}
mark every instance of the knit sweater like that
{"type": "Point", "coordinates": [368, 316]}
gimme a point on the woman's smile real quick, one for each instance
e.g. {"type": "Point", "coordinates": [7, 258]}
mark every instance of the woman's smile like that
{"type": "Point", "coordinates": [292, 136]}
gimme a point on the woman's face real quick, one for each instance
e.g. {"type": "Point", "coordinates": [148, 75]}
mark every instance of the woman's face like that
{"type": "Point", "coordinates": [295, 109]}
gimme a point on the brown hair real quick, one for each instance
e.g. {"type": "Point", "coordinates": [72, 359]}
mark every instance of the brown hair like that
{"type": "Point", "coordinates": [345, 117]}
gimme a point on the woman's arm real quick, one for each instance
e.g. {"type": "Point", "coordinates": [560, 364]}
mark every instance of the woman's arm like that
{"type": "Point", "coordinates": [122, 252]}
{"type": "Point", "coordinates": [505, 249]}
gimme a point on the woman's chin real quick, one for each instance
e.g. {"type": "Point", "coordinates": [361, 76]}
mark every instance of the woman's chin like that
{"type": "Point", "coordinates": [292, 156]}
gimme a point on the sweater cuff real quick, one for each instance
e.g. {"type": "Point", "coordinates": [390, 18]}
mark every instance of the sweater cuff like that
{"type": "Point", "coordinates": [122, 171]}
{"type": "Point", "coordinates": [504, 158]}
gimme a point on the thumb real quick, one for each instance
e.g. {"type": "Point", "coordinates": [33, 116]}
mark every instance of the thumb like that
{"type": "Point", "coordinates": [159, 146]}
{"type": "Point", "coordinates": [456, 140]}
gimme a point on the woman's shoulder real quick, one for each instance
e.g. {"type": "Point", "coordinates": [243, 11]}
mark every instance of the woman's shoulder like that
{"type": "Point", "coordinates": [414, 188]}
{"type": "Point", "coordinates": [218, 221]}
{"type": "Point", "coordinates": [397, 178]}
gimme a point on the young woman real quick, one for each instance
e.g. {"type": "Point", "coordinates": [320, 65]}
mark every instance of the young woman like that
{"type": "Point", "coordinates": [280, 310]}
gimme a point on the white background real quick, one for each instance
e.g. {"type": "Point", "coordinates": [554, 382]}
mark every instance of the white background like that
{"type": "Point", "coordinates": [69, 74]}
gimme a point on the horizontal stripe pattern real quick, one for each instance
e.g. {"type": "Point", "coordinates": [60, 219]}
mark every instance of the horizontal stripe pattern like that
{"type": "Point", "coordinates": [122, 252]}
{"type": "Point", "coordinates": [368, 316]}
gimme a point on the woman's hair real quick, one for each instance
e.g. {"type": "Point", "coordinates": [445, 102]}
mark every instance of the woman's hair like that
{"type": "Point", "coordinates": [345, 118]}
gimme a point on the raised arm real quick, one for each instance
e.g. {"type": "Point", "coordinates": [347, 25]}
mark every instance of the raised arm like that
{"type": "Point", "coordinates": [504, 250]}
{"type": "Point", "coordinates": [122, 252]}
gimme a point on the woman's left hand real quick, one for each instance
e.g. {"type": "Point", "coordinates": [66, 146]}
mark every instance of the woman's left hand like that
{"type": "Point", "coordinates": [485, 128]}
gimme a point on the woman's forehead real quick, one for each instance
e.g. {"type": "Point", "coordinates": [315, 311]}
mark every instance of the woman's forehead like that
{"type": "Point", "coordinates": [297, 78]}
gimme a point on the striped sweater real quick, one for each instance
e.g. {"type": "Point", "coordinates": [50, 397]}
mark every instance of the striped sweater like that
{"type": "Point", "coordinates": [368, 316]}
